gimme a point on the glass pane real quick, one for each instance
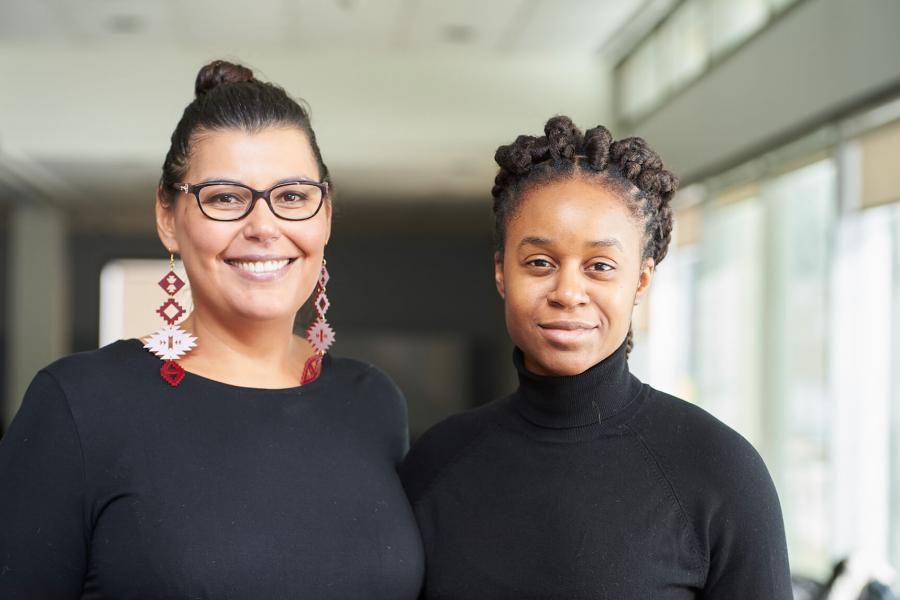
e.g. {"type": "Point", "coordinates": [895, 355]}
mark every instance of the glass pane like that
{"type": "Point", "coordinates": [641, 85]}
{"type": "Point", "coordinates": [733, 21]}
{"type": "Point", "coordinates": [801, 208]}
{"type": "Point", "coordinates": [296, 201]}
{"type": "Point", "coordinates": [225, 200]}
{"type": "Point", "coordinates": [895, 420]}
{"type": "Point", "coordinates": [779, 5]}
{"type": "Point", "coordinates": [684, 45]}
{"type": "Point", "coordinates": [662, 355]}
{"type": "Point", "coordinates": [729, 316]}
{"type": "Point", "coordinates": [861, 365]}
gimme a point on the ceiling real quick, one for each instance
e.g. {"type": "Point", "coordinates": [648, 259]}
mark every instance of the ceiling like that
{"type": "Point", "coordinates": [409, 98]}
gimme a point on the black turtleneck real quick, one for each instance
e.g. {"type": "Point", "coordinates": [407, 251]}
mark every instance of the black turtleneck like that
{"type": "Point", "coordinates": [594, 486]}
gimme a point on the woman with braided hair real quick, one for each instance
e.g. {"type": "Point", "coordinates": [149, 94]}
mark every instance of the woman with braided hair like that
{"type": "Point", "coordinates": [585, 482]}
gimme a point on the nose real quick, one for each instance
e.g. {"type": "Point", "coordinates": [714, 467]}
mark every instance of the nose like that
{"type": "Point", "coordinates": [261, 224]}
{"type": "Point", "coordinates": [569, 290]}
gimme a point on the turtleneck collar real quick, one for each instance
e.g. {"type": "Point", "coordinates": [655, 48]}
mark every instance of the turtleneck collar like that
{"type": "Point", "coordinates": [569, 401]}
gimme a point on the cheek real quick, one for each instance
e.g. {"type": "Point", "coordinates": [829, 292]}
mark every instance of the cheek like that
{"type": "Point", "coordinates": [523, 299]}
{"type": "Point", "coordinates": [201, 240]}
{"type": "Point", "coordinates": [617, 301]}
{"type": "Point", "coordinates": [622, 294]}
{"type": "Point", "coordinates": [309, 237]}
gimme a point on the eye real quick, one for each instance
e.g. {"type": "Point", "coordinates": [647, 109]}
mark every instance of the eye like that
{"type": "Point", "coordinates": [292, 197]}
{"type": "Point", "coordinates": [223, 199]}
{"type": "Point", "coordinates": [540, 263]}
{"type": "Point", "coordinates": [601, 267]}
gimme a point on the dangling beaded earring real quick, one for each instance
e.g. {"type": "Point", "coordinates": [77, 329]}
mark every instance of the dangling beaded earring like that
{"type": "Point", "coordinates": [320, 334]}
{"type": "Point", "coordinates": [171, 342]}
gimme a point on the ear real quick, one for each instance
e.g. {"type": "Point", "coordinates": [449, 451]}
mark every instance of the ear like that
{"type": "Point", "coordinates": [498, 275]}
{"type": "Point", "coordinates": [165, 222]}
{"type": "Point", "coordinates": [644, 280]}
{"type": "Point", "coordinates": [327, 208]}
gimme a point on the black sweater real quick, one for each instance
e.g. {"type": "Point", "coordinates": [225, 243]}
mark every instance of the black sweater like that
{"type": "Point", "coordinates": [594, 486]}
{"type": "Point", "coordinates": [115, 485]}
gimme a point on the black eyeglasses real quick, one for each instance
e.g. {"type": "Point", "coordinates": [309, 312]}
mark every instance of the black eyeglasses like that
{"type": "Point", "coordinates": [229, 201]}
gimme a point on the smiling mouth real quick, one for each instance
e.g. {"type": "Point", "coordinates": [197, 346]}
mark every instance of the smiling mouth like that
{"type": "Point", "coordinates": [260, 266]}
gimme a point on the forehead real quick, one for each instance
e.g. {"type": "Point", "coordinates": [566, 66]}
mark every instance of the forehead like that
{"type": "Point", "coordinates": [255, 158]}
{"type": "Point", "coordinates": [574, 211]}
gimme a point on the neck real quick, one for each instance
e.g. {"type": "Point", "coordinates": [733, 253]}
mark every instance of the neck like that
{"type": "Point", "coordinates": [576, 401]}
{"type": "Point", "coordinates": [249, 353]}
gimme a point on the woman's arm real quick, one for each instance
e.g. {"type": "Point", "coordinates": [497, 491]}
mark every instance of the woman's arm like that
{"type": "Point", "coordinates": [748, 552]}
{"type": "Point", "coordinates": [43, 538]}
{"type": "Point", "coordinates": [729, 500]}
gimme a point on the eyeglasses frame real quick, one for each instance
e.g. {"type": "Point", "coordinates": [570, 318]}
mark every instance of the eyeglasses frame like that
{"type": "Point", "coordinates": [191, 188]}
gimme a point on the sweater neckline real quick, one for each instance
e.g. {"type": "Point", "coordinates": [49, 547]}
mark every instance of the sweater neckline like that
{"type": "Point", "coordinates": [572, 401]}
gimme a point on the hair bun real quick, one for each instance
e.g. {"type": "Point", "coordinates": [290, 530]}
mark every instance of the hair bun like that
{"type": "Point", "coordinates": [516, 157]}
{"type": "Point", "coordinates": [562, 137]}
{"type": "Point", "coordinates": [218, 72]}
{"type": "Point", "coordinates": [597, 141]}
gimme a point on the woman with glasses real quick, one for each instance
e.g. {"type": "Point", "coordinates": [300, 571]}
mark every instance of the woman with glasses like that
{"type": "Point", "coordinates": [223, 457]}
{"type": "Point", "coordinates": [585, 483]}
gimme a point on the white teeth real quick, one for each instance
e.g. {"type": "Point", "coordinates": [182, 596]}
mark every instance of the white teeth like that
{"type": "Point", "coordinates": [266, 266]}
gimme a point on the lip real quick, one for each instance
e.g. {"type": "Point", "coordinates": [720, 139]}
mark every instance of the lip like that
{"type": "Point", "coordinates": [259, 276]}
{"type": "Point", "coordinates": [564, 333]}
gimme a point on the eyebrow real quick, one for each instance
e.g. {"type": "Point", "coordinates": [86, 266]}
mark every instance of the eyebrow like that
{"type": "Point", "coordinates": [543, 242]}
{"type": "Point", "coordinates": [279, 182]}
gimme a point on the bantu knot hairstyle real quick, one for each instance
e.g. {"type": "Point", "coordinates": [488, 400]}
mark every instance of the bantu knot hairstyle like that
{"type": "Point", "coordinates": [563, 152]}
{"type": "Point", "coordinates": [629, 165]}
{"type": "Point", "coordinates": [228, 96]}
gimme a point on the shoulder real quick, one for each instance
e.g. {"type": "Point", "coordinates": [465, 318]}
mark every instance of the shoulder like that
{"type": "Point", "coordinates": [371, 401]}
{"type": "Point", "coordinates": [107, 381]}
{"type": "Point", "coordinates": [726, 494]}
{"type": "Point", "coordinates": [360, 372]}
{"type": "Point", "coordinates": [371, 391]}
{"type": "Point", "coordinates": [441, 446]}
{"type": "Point", "coordinates": [687, 439]}
{"type": "Point", "coordinates": [717, 477]}
{"type": "Point", "coordinates": [118, 359]}
{"type": "Point", "coordinates": [47, 410]}
{"type": "Point", "coordinates": [366, 381]}
{"type": "Point", "coordinates": [44, 402]}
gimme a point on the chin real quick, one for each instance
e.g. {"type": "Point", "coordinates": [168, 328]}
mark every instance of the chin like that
{"type": "Point", "coordinates": [266, 313]}
{"type": "Point", "coordinates": [560, 363]}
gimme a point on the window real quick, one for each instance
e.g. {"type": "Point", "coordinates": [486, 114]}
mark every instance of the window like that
{"type": "Point", "coordinates": [862, 357]}
{"type": "Point", "coordinates": [640, 81]}
{"type": "Point", "coordinates": [801, 208]}
{"type": "Point", "coordinates": [729, 324]}
{"type": "Point", "coordinates": [789, 311]}
{"type": "Point", "coordinates": [684, 45]}
{"type": "Point", "coordinates": [733, 21]}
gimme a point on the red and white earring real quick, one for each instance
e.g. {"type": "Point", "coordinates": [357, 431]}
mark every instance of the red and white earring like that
{"type": "Point", "coordinates": [171, 342]}
{"type": "Point", "coordinates": [320, 334]}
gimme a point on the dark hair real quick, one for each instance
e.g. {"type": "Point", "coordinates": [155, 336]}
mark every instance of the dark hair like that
{"type": "Point", "coordinates": [228, 96]}
{"type": "Point", "coordinates": [629, 165]}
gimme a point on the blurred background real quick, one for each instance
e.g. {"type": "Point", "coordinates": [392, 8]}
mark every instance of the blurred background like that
{"type": "Point", "coordinates": [777, 309]}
